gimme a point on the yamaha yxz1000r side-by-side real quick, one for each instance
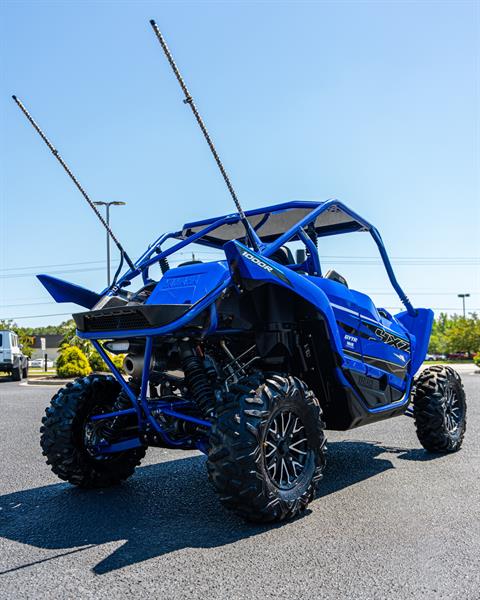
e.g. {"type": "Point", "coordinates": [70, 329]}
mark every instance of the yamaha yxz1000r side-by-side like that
{"type": "Point", "coordinates": [248, 358]}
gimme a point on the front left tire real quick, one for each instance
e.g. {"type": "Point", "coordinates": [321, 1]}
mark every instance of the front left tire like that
{"type": "Point", "coordinates": [440, 409]}
{"type": "Point", "coordinates": [267, 448]}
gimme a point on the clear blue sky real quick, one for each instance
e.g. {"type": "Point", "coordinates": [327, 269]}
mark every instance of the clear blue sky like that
{"type": "Point", "coordinates": [375, 103]}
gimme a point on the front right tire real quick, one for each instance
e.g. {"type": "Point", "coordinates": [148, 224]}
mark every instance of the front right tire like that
{"type": "Point", "coordinates": [68, 435]}
{"type": "Point", "coordinates": [267, 448]}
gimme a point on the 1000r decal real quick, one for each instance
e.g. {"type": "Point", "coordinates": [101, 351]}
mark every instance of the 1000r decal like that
{"type": "Point", "coordinates": [265, 266]}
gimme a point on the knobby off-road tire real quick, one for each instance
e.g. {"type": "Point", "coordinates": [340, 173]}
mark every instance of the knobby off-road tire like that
{"type": "Point", "coordinates": [242, 440]}
{"type": "Point", "coordinates": [440, 409]}
{"type": "Point", "coordinates": [63, 434]}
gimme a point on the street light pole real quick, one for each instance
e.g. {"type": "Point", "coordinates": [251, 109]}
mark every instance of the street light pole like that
{"type": "Point", "coordinates": [107, 209]}
{"type": "Point", "coordinates": [463, 296]}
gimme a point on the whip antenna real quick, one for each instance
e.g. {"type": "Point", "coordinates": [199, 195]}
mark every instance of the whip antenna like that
{"type": "Point", "coordinates": [55, 153]}
{"type": "Point", "coordinates": [189, 100]}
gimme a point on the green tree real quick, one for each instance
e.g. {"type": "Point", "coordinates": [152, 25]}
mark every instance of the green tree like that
{"type": "Point", "coordinates": [46, 329]}
{"type": "Point", "coordinates": [26, 340]}
{"type": "Point", "coordinates": [70, 338]}
{"type": "Point", "coordinates": [438, 338]}
{"type": "Point", "coordinates": [463, 335]}
{"type": "Point", "coordinates": [7, 324]}
{"type": "Point", "coordinates": [455, 334]}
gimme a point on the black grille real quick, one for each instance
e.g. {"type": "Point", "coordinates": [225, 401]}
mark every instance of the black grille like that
{"type": "Point", "coordinates": [130, 320]}
{"type": "Point", "coordinates": [140, 316]}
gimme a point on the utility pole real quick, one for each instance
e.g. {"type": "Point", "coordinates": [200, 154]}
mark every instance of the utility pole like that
{"type": "Point", "coordinates": [463, 296]}
{"type": "Point", "coordinates": [107, 208]}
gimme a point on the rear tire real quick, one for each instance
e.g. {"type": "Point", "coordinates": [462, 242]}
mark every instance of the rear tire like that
{"type": "Point", "coordinates": [440, 409]}
{"type": "Point", "coordinates": [64, 432]}
{"type": "Point", "coordinates": [25, 372]}
{"type": "Point", "coordinates": [17, 374]}
{"type": "Point", "coordinates": [266, 455]}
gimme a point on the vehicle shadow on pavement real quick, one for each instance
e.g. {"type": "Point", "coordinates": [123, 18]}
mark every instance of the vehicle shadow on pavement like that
{"type": "Point", "coordinates": [352, 461]}
{"type": "Point", "coordinates": [164, 507]}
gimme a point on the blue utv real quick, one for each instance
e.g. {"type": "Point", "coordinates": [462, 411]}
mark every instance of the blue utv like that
{"type": "Point", "coordinates": [249, 359]}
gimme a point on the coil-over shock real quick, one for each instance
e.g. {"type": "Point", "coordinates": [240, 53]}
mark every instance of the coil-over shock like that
{"type": "Point", "coordinates": [163, 262]}
{"type": "Point", "coordinates": [113, 427]}
{"type": "Point", "coordinates": [197, 380]}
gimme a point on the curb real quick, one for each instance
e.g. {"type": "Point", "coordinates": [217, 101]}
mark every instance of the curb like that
{"type": "Point", "coordinates": [42, 381]}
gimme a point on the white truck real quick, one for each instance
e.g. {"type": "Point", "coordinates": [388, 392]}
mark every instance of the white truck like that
{"type": "Point", "coordinates": [12, 359]}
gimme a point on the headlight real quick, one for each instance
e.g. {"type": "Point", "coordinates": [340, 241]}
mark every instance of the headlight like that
{"type": "Point", "coordinates": [117, 347]}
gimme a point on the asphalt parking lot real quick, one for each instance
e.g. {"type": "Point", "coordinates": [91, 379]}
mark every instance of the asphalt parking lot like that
{"type": "Point", "coordinates": [391, 521]}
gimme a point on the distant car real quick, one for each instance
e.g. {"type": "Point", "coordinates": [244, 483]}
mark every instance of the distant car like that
{"type": "Point", "coordinates": [459, 356]}
{"type": "Point", "coordinates": [12, 359]}
{"type": "Point", "coordinates": [435, 357]}
{"type": "Point", "coordinates": [40, 363]}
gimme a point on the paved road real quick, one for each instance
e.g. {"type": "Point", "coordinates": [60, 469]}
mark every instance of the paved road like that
{"type": "Point", "coordinates": [391, 522]}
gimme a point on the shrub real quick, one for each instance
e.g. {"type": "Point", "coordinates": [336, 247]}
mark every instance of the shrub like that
{"type": "Point", "coordinates": [118, 361]}
{"type": "Point", "coordinates": [476, 359]}
{"type": "Point", "coordinates": [97, 363]}
{"type": "Point", "coordinates": [72, 362]}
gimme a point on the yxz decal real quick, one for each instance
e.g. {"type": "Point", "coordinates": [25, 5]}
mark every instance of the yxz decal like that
{"type": "Point", "coordinates": [388, 338]}
{"type": "Point", "coordinates": [260, 262]}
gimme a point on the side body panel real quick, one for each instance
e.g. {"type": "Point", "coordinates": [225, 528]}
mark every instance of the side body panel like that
{"type": "Point", "coordinates": [377, 344]}
{"type": "Point", "coordinates": [376, 381]}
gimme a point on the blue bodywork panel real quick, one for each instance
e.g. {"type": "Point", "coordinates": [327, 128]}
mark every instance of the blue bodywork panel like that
{"type": "Point", "coordinates": [189, 284]}
{"type": "Point", "coordinates": [420, 328]}
{"type": "Point", "coordinates": [63, 291]}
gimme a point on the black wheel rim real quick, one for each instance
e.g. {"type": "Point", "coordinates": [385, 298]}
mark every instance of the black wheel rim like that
{"type": "Point", "coordinates": [286, 449]}
{"type": "Point", "coordinates": [453, 410]}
